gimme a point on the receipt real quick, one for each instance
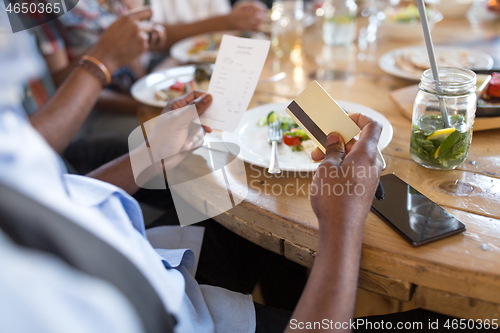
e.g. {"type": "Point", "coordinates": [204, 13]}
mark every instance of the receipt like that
{"type": "Point", "coordinates": [234, 79]}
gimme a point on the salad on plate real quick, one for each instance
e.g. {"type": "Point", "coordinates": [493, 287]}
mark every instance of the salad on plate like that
{"type": "Point", "coordinates": [293, 135]}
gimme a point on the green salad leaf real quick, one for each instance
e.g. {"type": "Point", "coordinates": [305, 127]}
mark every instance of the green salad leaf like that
{"type": "Point", "coordinates": [287, 123]}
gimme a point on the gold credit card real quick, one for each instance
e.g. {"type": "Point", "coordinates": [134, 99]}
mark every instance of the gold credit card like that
{"type": "Point", "coordinates": [317, 113]}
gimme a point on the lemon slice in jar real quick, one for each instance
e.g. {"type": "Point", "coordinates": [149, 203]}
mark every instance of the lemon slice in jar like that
{"type": "Point", "coordinates": [440, 135]}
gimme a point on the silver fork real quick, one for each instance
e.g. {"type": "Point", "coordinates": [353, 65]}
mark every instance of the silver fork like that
{"type": "Point", "coordinates": [274, 137]}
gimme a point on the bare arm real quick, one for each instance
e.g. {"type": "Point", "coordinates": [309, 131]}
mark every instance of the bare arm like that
{"type": "Point", "coordinates": [108, 101]}
{"type": "Point", "coordinates": [61, 117]}
{"type": "Point", "coordinates": [246, 15]}
{"type": "Point", "coordinates": [59, 66]}
{"type": "Point", "coordinates": [178, 32]}
{"type": "Point", "coordinates": [330, 292]}
{"type": "Point", "coordinates": [117, 172]}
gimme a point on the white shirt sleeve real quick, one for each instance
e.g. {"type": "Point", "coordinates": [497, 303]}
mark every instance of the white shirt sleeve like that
{"type": "Point", "coordinates": [219, 7]}
{"type": "Point", "coordinates": [187, 11]}
{"type": "Point", "coordinates": [41, 293]}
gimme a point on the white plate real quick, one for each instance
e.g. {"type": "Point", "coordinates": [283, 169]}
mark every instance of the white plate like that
{"type": "Point", "coordinates": [179, 51]}
{"type": "Point", "coordinates": [388, 63]}
{"type": "Point", "coordinates": [408, 31]}
{"type": "Point", "coordinates": [255, 150]}
{"type": "Point", "coordinates": [143, 90]}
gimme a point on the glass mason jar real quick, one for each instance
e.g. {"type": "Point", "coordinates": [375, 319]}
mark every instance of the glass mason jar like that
{"type": "Point", "coordinates": [339, 22]}
{"type": "Point", "coordinates": [433, 145]}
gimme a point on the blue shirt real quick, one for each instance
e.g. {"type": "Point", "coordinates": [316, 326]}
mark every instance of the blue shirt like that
{"type": "Point", "coordinates": [42, 294]}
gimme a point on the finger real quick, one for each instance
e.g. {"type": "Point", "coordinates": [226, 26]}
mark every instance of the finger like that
{"type": "Point", "coordinates": [140, 13]}
{"type": "Point", "coordinates": [367, 125]}
{"type": "Point", "coordinates": [202, 103]}
{"type": "Point", "coordinates": [145, 39]}
{"type": "Point", "coordinates": [198, 93]}
{"type": "Point", "coordinates": [180, 103]}
{"type": "Point", "coordinates": [207, 129]}
{"type": "Point", "coordinates": [153, 39]}
{"type": "Point", "coordinates": [174, 104]}
{"type": "Point", "coordinates": [335, 149]}
{"type": "Point", "coordinates": [360, 119]}
{"type": "Point", "coordinates": [191, 96]}
{"type": "Point", "coordinates": [317, 155]}
{"type": "Point", "coordinates": [350, 144]}
{"type": "Point", "coordinates": [160, 32]}
{"type": "Point", "coordinates": [199, 98]}
{"type": "Point", "coordinates": [158, 27]}
{"type": "Point", "coordinates": [368, 139]}
{"type": "Point", "coordinates": [146, 26]}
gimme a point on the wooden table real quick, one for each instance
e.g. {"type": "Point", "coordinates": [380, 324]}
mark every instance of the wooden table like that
{"type": "Point", "coordinates": [458, 276]}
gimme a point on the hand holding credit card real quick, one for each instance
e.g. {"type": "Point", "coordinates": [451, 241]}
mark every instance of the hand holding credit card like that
{"type": "Point", "coordinates": [317, 113]}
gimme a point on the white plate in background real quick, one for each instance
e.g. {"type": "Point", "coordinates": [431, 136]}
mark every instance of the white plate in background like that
{"type": "Point", "coordinates": [387, 62]}
{"type": "Point", "coordinates": [179, 51]}
{"type": "Point", "coordinates": [143, 90]}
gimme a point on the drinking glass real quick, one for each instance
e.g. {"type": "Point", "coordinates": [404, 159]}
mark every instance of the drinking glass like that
{"type": "Point", "coordinates": [287, 28]}
{"type": "Point", "coordinates": [339, 22]}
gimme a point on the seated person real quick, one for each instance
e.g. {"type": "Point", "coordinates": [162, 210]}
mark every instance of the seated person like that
{"type": "Point", "coordinates": [58, 118]}
{"type": "Point", "coordinates": [57, 284]}
{"type": "Point", "coordinates": [61, 58]}
{"type": "Point", "coordinates": [67, 38]}
{"type": "Point", "coordinates": [79, 32]}
{"type": "Point", "coordinates": [100, 205]}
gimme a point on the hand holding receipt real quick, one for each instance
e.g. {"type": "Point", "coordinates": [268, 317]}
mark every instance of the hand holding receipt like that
{"type": "Point", "coordinates": [234, 79]}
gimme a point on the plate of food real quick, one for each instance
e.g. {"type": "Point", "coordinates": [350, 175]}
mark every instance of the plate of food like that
{"type": "Point", "coordinates": [156, 89]}
{"type": "Point", "coordinates": [203, 48]}
{"type": "Point", "coordinates": [294, 152]}
{"type": "Point", "coordinates": [402, 23]}
{"type": "Point", "coordinates": [488, 95]}
{"type": "Point", "coordinates": [453, 8]}
{"type": "Point", "coordinates": [410, 62]}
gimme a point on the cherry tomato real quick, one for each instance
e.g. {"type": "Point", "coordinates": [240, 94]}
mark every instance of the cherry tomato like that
{"type": "Point", "coordinates": [291, 140]}
{"type": "Point", "coordinates": [179, 86]}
